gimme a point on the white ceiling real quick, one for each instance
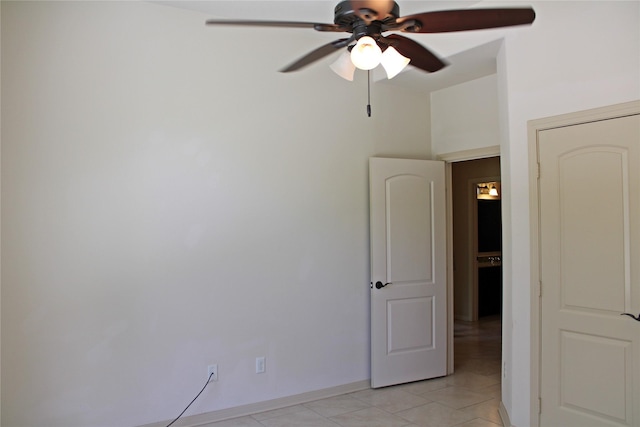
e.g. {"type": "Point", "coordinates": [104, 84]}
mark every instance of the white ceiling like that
{"type": "Point", "coordinates": [470, 54]}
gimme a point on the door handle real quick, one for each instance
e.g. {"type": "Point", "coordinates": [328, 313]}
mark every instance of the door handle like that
{"type": "Point", "coordinates": [628, 314]}
{"type": "Point", "coordinates": [380, 285]}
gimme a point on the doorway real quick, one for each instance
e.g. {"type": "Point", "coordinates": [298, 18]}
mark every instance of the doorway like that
{"type": "Point", "coordinates": [477, 239]}
{"type": "Point", "coordinates": [476, 265]}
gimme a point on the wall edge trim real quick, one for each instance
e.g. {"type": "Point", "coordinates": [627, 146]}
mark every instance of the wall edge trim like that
{"type": "Point", "coordinates": [267, 405]}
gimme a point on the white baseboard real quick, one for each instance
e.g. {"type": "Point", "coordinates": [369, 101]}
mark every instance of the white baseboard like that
{"type": "Point", "coordinates": [504, 415]}
{"type": "Point", "coordinates": [267, 405]}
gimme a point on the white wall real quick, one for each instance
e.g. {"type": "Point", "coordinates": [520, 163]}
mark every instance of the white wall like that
{"type": "Point", "coordinates": [465, 116]}
{"type": "Point", "coordinates": [168, 203]}
{"type": "Point", "coordinates": [577, 55]}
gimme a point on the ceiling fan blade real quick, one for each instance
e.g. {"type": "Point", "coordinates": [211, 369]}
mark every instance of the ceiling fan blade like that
{"type": "Point", "coordinates": [420, 56]}
{"type": "Point", "coordinates": [279, 24]}
{"type": "Point", "coordinates": [444, 21]}
{"type": "Point", "coordinates": [316, 54]}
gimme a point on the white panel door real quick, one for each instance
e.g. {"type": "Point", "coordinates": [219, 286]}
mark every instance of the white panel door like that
{"type": "Point", "coordinates": [590, 273]}
{"type": "Point", "coordinates": [408, 271]}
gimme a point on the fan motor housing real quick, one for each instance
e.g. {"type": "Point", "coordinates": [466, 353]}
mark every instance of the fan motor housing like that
{"type": "Point", "coordinates": [346, 16]}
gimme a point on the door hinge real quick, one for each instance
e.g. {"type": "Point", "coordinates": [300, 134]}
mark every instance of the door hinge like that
{"type": "Point", "coordinates": [539, 405]}
{"type": "Point", "coordinates": [539, 288]}
{"type": "Point", "coordinates": [538, 170]}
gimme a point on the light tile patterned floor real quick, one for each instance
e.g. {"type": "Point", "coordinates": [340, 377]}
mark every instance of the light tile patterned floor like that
{"type": "Point", "coordinates": [468, 398]}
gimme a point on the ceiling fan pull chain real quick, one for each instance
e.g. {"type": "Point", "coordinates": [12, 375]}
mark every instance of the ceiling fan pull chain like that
{"type": "Point", "coordinates": [369, 93]}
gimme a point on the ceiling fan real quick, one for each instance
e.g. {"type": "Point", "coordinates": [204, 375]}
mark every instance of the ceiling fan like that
{"type": "Point", "coordinates": [367, 47]}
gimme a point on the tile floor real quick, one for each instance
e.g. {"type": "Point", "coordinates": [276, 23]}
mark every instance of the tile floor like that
{"type": "Point", "coordinates": [468, 398]}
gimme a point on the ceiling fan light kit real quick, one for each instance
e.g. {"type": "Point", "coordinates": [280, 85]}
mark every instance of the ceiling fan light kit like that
{"type": "Point", "coordinates": [391, 60]}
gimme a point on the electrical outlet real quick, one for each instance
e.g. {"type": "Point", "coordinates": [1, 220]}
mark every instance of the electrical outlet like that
{"type": "Point", "coordinates": [261, 365]}
{"type": "Point", "coordinates": [212, 372]}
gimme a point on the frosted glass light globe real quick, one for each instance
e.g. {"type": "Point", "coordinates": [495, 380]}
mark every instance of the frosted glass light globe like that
{"type": "Point", "coordinates": [393, 62]}
{"type": "Point", "coordinates": [366, 54]}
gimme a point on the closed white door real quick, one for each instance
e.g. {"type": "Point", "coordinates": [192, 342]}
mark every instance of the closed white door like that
{"type": "Point", "coordinates": [589, 195]}
{"type": "Point", "coordinates": [408, 271]}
